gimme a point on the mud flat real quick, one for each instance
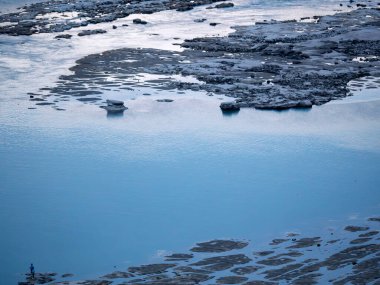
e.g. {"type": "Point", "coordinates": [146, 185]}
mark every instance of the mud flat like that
{"type": "Point", "coordinates": [297, 260]}
{"type": "Point", "coordinates": [271, 65]}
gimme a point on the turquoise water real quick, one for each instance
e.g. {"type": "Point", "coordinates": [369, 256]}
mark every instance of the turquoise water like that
{"type": "Point", "coordinates": [82, 193]}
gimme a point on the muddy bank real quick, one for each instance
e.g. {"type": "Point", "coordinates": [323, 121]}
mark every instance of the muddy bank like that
{"type": "Point", "coordinates": [297, 259]}
{"type": "Point", "coordinates": [62, 15]}
{"type": "Point", "coordinates": [270, 65]}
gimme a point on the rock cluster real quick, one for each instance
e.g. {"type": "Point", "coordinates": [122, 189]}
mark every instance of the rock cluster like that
{"type": "Point", "coordinates": [35, 18]}
{"type": "Point", "coordinates": [293, 260]}
{"type": "Point", "coordinates": [279, 65]}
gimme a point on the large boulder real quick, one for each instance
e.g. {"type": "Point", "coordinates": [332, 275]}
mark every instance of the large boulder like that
{"type": "Point", "coordinates": [229, 106]}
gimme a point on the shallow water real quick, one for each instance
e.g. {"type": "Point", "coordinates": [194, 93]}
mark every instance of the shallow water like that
{"type": "Point", "coordinates": [82, 192]}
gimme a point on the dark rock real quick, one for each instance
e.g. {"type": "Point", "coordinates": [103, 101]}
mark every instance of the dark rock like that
{"type": "Point", "coordinates": [41, 278]}
{"type": "Point", "coordinates": [91, 32]}
{"type": "Point", "coordinates": [304, 104]}
{"type": "Point", "coordinates": [245, 269]}
{"type": "Point", "coordinates": [44, 104]}
{"type": "Point", "coordinates": [305, 242]}
{"type": "Point", "coordinates": [219, 263]}
{"type": "Point", "coordinates": [369, 234]}
{"type": "Point", "coordinates": [224, 5]}
{"type": "Point", "coordinates": [278, 241]}
{"type": "Point", "coordinates": [118, 274]}
{"type": "Point", "coordinates": [139, 22]}
{"type": "Point", "coordinates": [114, 106]}
{"type": "Point", "coordinates": [178, 256]}
{"type": "Point", "coordinates": [114, 102]}
{"type": "Point", "coordinates": [229, 106]}
{"type": "Point", "coordinates": [188, 269]}
{"type": "Point", "coordinates": [64, 36]}
{"type": "Point", "coordinates": [259, 282]}
{"type": "Point", "coordinates": [263, 253]}
{"type": "Point", "coordinates": [95, 282]}
{"type": "Point", "coordinates": [360, 240]}
{"type": "Point", "coordinates": [219, 246]}
{"type": "Point", "coordinates": [356, 229]}
{"type": "Point", "coordinates": [275, 261]}
{"type": "Point", "coordinates": [165, 100]}
{"type": "Point", "coordinates": [37, 99]}
{"type": "Point", "coordinates": [151, 268]}
{"type": "Point", "coordinates": [374, 219]}
{"type": "Point", "coordinates": [231, 280]}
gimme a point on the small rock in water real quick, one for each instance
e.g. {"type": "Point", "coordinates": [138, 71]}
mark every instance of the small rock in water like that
{"type": "Point", "coordinates": [224, 5]}
{"type": "Point", "coordinates": [114, 106]}
{"type": "Point", "coordinates": [118, 274]}
{"type": "Point", "coordinates": [114, 102]}
{"type": "Point", "coordinates": [356, 229]}
{"type": "Point", "coordinates": [64, 36]}
{"type": "Point", "coordinates": [91, 32]}
{"type": "Point", "coordinates": [151, 268]}
{"type": "Point", "coordinates": [305, 104]}
{"type": "Point", "coordinates": [374, 219]}
{"type": "Point", "coordinates": [219, 246]}
{"type": "Point", "coordinates": [178, 257]}
{"type": "Point", "coordinates": [229, 106]}
{"type": "Point", "coordinates": [231, 280]}
{"type": "Point", "coordinates": [139, 22]}
{"type": "Point", "coordinates": [165, 100]}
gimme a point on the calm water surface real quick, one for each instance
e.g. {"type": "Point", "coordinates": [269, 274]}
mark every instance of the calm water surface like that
{"type": "Point", "coordinates": [81, 192]}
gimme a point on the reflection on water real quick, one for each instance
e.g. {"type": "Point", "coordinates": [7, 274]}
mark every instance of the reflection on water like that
{"type": "Point", "coordinates": [115, 115]}
{"type": "Point", "coordinates": [230, 113]}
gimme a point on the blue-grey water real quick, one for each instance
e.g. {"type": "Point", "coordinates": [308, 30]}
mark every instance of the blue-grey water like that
{"type": "Point", "coordinates": [81, 192]}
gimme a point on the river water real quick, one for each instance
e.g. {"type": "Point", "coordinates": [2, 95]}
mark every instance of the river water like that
{"type": "Point", "coordinates": [82, 192]}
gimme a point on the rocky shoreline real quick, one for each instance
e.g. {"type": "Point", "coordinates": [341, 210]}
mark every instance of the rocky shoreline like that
{"type": "Point", "coordinates": [271, 65]}
{"type": "Point", "coordinates": [348, 256]}
{"type": "Point", "coordinates": [63, 15]}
